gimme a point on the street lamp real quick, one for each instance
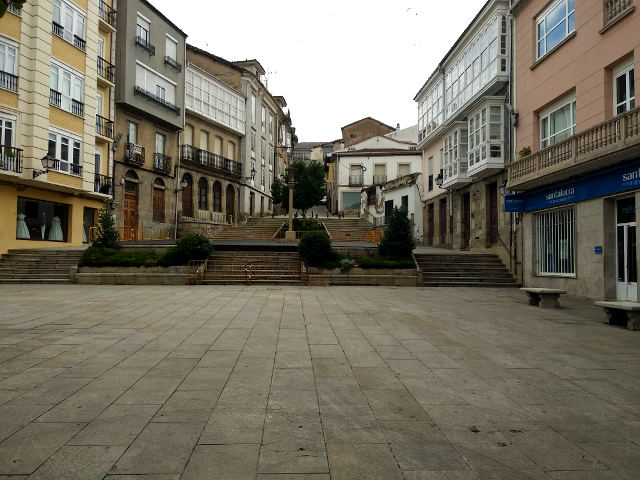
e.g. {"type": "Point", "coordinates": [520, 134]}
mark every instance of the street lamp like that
{"type": "Point", "coordinates": [439, 180]}
{"type": "Point", "coordinates": [253, 174]}
{"type": "Point", "coordinates": [48, 162]}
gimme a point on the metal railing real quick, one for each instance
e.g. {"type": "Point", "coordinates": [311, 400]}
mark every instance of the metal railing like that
{"type": "Point", "coordinates": [8, 81]}
{"type": "Point", "coordinates": [146, 44]}
{"type": "Point", "coordinates": [103, 184]}
{"type": "Point", "coordinates": [106, 70]}
{"type": "Point", "coordinates": [55, 98]}
{"type": "Point", "coordinates": [160, 100]}
{"type": "Point", "coordinates": [107, 13]}
{"type": "Point", "coordinates": [202, 157]}
{"type": "Point", "coordinates": [378, 179]}
{"type": "Point", "coordinates": [605, 138]}
{"type": "Point", "coordinates": [162, 162]}
{"type": "Point", "coordinates": [57, 29]}
{"type": "Point", "coordinates": [10, 159]}
{"type": "Point", "coordinates": [205, 216]}
{"type": "Point", "coordinates": [614, 9]}
{"type": "Point", "coordinates": [104, 126]}
{"type": "Point", "coordinates": [134, 154]}
{"type": "Point", "coordinates": [81, 43]}
{"type": "Point", "coordinates": [355, 180]}
{"type": "Point", "coordinates": [66, 167]}
{"type": "Point", "coordinates": [77, 108]}
{"type": "Point", "coordinates": [247, 270]}
{"type": "Point", "coordinates": [173, 63]}
{"type": "Point", "coordinates": [14, 10]}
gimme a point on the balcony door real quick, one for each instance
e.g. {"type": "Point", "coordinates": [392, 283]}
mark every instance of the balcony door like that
{"type": "Point", "coordinates": [627, 269]}
{"type": "Point", "coordinates": [130, 210]}
{"type": "Point", "coordinates": [187, 196]}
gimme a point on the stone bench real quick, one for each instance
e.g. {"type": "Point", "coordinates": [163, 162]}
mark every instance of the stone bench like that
{"type": "Point", "coordinates": [543, 297]}
{"type": "Point", "coordinates": [613, 309]}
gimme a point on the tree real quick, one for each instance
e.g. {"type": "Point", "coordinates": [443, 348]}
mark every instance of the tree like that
{"type": "Point", "coordinates": [4, 4]}
{"type": "Point", "coordinates": [108, 236]}
{"type": "Point", "coordinates": [308, 190]}
{"type": "Point", "coordinates": [397, 241]}
{"type": "Point", "coordinates": [280, 193]}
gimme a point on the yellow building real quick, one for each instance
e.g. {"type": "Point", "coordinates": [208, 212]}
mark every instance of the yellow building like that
{"type": "Point", "coordinates": [56, 111]}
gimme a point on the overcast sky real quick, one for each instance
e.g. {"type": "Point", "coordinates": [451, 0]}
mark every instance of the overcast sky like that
{"type": "Point", "coordinates": [335, 62]}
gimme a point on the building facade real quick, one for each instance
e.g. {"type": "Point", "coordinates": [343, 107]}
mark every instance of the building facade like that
{"type": "Point", "coordinates": [463, 133]}
{"type": "Point", "coordinates": [575, 181]}
{"type": "Point", "coordinates": [56, 111]}
{"type": "Point", "coordinates": [149, 97]}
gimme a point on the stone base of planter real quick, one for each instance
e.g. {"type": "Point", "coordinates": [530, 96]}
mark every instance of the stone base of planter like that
{"type": "Point", "coordinates": [365, 277]}
{"type": "Point", "coordinates": [132, 275]}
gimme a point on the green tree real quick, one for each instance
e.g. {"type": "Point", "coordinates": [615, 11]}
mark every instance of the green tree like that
{"type": "Point", "coordinates": [108, 236]}
{"type": "Point", "coordinates": [280, 193]}
{"type": "Point", "coordinates": [4, 4]}
{"type": "Point", "coordinates": [397, 241]}
{"type": "Point", "coordinates": [309, 188]}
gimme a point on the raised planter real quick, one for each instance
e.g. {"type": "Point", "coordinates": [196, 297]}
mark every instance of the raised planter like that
{"type": "Point", "coordinates": [132, 275]}
{"type": "Point", "coordinates": [364, 276]}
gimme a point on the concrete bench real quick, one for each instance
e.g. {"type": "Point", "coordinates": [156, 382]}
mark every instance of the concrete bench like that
{"type": "Point", "coordinates": [543, 297]}
{"type": "Point", "coordinates": [613, 309]}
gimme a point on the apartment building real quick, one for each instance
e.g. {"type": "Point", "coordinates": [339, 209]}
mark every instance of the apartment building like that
{"type": "Point", "coordinates": [149, 97]}
{"type": "Point", "coordinates": [463, 134]}
{"type": "Point", "coordinates": [209, 147]}
{"type": "Point", "coordinates": [56, 111]}
{"type": "Point", "coordinates": [576, 183]}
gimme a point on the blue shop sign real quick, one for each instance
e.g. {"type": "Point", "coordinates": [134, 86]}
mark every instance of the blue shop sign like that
{"type": "Point", "coordinates": [595, 185]}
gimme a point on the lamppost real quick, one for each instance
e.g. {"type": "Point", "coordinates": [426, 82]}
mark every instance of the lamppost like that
{"type": "Point", "coordinates": [290, 235]}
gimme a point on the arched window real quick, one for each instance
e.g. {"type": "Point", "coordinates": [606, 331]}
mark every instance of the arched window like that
{"type": "Point", "coordinates": [203, 193]}
{"type": "Point", "coordinates": [217, 197]}
{"type": "Point", "coordinates": [158, 200]}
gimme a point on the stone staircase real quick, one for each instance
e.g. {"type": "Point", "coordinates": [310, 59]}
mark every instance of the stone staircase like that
{"type": "Point", "coordinates": [463, 270]}
{"type": "Point", "coordinates": [282, 268]}
{"type": "Point", "coordinates": [260, 228]}
{"type": "Point", "coordinates": [347, 229]}
{"type": "Point", "coordinates": [50, 265]}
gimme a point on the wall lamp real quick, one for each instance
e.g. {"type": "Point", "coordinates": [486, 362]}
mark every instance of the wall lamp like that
{"type": "Point", "coordinates": [48, 162]}
{"type": "Point", "coordinates": [183, 184]}
{"type": "Point", "coordinates": [503, 189]}
{"type": "Point", "coordinates": [439, 180]}
{"type": "Point", "coordinates": [253, 174]}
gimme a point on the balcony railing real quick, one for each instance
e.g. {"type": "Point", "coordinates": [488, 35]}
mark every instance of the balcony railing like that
{"type": "Point", "coordinates": [146, 44]}
{"type": "Point", "coordinates": [134, 154]}
{"type": "Point", "coordinates": [67, 167]}
{"type": "Point", "coordinates": [77, 108]}
{"type": "Point", "coordinates": [160, 100]}
{"type": "Point", "coordinates": [106, 70]}
{"type": "Point", "coordinates": [57, 29]}
{"type": "Point", "coordinates": [614, 10]}
{"type": "Point", "coordinates": [162, 162]}
{"type": "Point", "coordinates": [81, 43]}
{"type": "Point", "coordinates": [107, 13]}
{"type": "Point", "coordinates": [379, 179]}
{"type": "Point", "coordinates": [605, 139]}
{"type": "Point", "coordinates": [14, 10]}
{"type": "Point", "coordinates": [55, 98]}
{"type": "Point", "coordinates": [173, 63]}
{"type": "Point", "coordinates": [103, 184]}
{"type": "Point", "coordinates": [355, 180]}
{"type": "Point", "coordinates": [104, 126]}
{"type": "Point", "coordinates": [208, 159]}
{"type": "Point", "coordinates": [8, 81]}
{"type": "Point", "coordinates": [10, 159]}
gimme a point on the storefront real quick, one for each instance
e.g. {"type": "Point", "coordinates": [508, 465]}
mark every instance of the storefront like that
{"type": "Point", "coordinates": [580, 235]}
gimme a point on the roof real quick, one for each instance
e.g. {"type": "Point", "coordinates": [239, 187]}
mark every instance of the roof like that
{"type": "Point", "coordinates": [162, 15]}
{"type": "Point", "coordinates": [252, 61]}
{"type": "Point", "coordinates": [400, 182]}
{"type": "Point", "coordinates": [517, 6]}
{"type": "Point", "coordinates": [302, 145]}
{"type": "Point", "coordinates": [368, 118]}
{"type": "Point", "coordinates": [373, 152]}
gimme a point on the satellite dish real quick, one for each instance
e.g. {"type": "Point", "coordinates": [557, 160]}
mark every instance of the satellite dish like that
{"type": "Point", "coordinates": [116, 142]}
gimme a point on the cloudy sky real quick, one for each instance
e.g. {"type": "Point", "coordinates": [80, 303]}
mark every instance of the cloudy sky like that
{"type": "Point", "coordinates": [335, 62]}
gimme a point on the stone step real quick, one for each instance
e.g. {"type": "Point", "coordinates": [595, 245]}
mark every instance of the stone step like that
{"type": "Point", "coordinates": [34, 280]}
{"type": "Point", "coordinates": [488, 284]}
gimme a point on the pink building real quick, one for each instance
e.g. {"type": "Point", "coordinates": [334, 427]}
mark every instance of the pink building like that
{"type": "Point", "coordinates": [575, 177]}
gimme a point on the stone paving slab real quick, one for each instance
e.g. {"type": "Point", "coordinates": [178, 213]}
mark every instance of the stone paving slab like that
{"type": "Point", "coordinates": [312, 383]}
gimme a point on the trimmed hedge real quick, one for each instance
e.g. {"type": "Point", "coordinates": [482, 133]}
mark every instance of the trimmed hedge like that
{"type": "Point", "coordinates": [110, 257]}
{"type": "Point", "coordinates": [193, 246]}
{"type": "Point", "coordinates": [302, 224]}
{"type": "Point", "coordinates": [315, 248]}
{"type": "Point", "coordinates": [385, 262]}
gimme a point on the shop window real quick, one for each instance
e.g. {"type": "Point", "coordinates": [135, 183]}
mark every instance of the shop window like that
{"type": "Point", "coordinates": [555, 242]}
{"type": "Point", "coordinates": [40, 220]}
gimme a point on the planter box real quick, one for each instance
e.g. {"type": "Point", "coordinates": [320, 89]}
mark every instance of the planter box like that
{"type": "Point", "coordinates": [132, 275]}
{"type": "Point", "coordinates": [364, 276]}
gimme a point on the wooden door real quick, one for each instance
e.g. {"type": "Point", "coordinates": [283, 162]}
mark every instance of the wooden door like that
{"type": "Point", "coordinates": [230, 203]}
{"type": "Point", "coordinates": [130, 211]}
{"type": "Point", "coordinates": [492, 213]}
{"type": "Point", "coordinates": [187, 199]}
{"type": "Point", "coordinates": [465, 221]}
{"type": "Point", "coordinates": [158, 205]}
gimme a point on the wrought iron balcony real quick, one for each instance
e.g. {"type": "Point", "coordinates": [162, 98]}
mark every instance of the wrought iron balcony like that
{"type": "Point", "coordinates": [615, 10]}
{"type": "Point", "coordinates": [107, 13]}
{"type": "Point", "coordinates": [55, 98]}
{"type": "Point", "coordinates": [106, 70]}
{"type": "Point", "coordinates": [77, 108]}
{"type": "Point", "coordinates": [194, 155]}
{"type": "Point", "coordinates": [104, 126]}
{"type": "Point", "coordinates": [604, 143]}
{"type": "Point", "coordinates": [173, 63]}
{"type": "Point", "coordinates": [134, 154]}
{"type": "Point", "coordinates": [355, 180]}
{"type": "Point", "coordinates": [103, 184]}
{"type": "Point", "coordinates": [379, 179]}
{"type": "Point", "coordinates": [10, 159]}
{"type": "Point", "coordinates": [162, 162]}
{"type": "Point", "coordinates": [57, 29]}
{"type": "Point", "coordinates": [67, 167]}
{"type": "Point", "coordinates": [81, 43]}
{"type": "Point", "coordinates": [14, 10]}
{"type": "Point", "coordinates": [8, 81]}
{"type": "Point", "coordinates": [146, 44]}
{"type": "Point", "coordinates": [160, 100]}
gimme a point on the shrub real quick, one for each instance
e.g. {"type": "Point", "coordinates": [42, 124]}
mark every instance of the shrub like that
{"type": "Point", "coordinates": [110, 257]}
{"type": "Point", "coordinates": [383, 262]}
{"type": "Point", "coordinates": [397, 241]}
{"type": "Point", "coordinates": [108, 236]}
{"type": "Point", "coordinates": [346, 264]}
{"type": "Point", "coordinates": [302, 224]}
{"type": "Point", "coordinates": [315, 248]}
{"type": "Point", "coordinates": [193, 246]}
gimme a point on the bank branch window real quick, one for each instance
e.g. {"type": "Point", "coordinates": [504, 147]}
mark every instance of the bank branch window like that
{"type": "Point", "coordinates": [555, 242]}
{"type": "Point", "coordinates": [40, 220]}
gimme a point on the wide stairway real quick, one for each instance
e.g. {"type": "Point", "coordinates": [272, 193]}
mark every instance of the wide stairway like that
{"type": "Point", "coordinates": [50, 265]}
{"type": "Point", "coordinates": [251, 268]}
{"type": "Point", "coordinates": [463, 270]}
{"type": "Point", "coordinates": [261, 228]}
{"type": "Point", "coordinates": [347, 229]}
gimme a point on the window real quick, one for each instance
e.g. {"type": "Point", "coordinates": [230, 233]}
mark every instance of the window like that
{"type": "Point", "coordinates": [263, 151]}
{"type": "Point", "coordinates": [485, 134]}
{"type": "Point", "coordinates": [555, 241]}
{"type": "Point", "coordinates": [67, 89]}
{"type": "Point", "coordinates": [171, 48]}
{"type": "Point", "coordinates": [204, 140]}
{"type": "Point", "coordinates": [231, 150]}
{"type": "Point", "coordinates": [142, 29]}
{"type": "Point", "coordinates": [71, 19]}
{"type": "Point", "coordinates": [380, 173]}
{"type": "Point", "coordinates": [404, 200]}
{"type": "Point", "coordinates": [217, 196]}
{"type": "Point", "coordinates": [404, 169]}
{"type": "Point", "coordinates": [253, 107]}
{"type": "Point", "coordinates": [271, 128]}
{"type": "Point", "coordinates": [67, 150]}
{"type": "Point", "coordinates": [253, 143]}
{"type": "Point", "coordinates": [557, 123]}
{"type": "Point", "coordinates": [41, 220]}
{"type": "Point", "coordinates": [7, 128]}
{"type": "Point", "coordinates": [153, 82]}
{"type": "Point", "coordinates": [554, 25]}
{"type": "Point", "coordinates": [454, 160]}
{"type": "Point", "coordinates": [8, 65]}
{"type": "Point", "coordinates": [624, 91]}
{"type": "Point", "coordinates": [132, 132]}
{"type": "Point", "coordinates": [160, 142]}
{"type": "Point", "coordinates": [263, 120]}
{"type": "Point", "coordinates": [203, 193]}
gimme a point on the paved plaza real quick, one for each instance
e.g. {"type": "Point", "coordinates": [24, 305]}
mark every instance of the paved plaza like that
{"type": "Point", "coordinates": [275, 383]}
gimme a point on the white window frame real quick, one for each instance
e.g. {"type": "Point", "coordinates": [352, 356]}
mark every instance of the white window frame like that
{"type": "Point", "coordinates": [161, 141]}
{"type": "Point", "coordinates": [132, 130]}
{"type": "Point", "coordinates": [75, 80]}
{"type": "Point", "coordinates": [171, 41]}
{"type": "Point", "coordinates": [555, 242]}
{"type": "Point", "coordinates": [72, 142]}
{"type": "Point", "coordinates": [253, 107]}
{"type": "Point", "coordinates": [482, 144]}
{"type": "Point", "coordinates": [263, 151]}
{"type": "Point", "coordinates": [253, 143]}
{"type": "Point", "coordinates": [454, 152]}
{"type": "Point", "coordinates": [71, 18]}
{"type": "Point", "coordinates": [6, 47]}
{"type": "Point", "coordinates": [150, 80]}
{"type": "Point", "coordinates": [568, 17]}
{"type": "Point", "coordinates": [547, 138]}
{"type": "Point", "coordinates": [4, 118]}
{"type": "Point", "coordinates": [143, 25]}
{"type": "Point", "coordinates": [627, 70]}
{"type": "Point", "coordinates": [263, 120]}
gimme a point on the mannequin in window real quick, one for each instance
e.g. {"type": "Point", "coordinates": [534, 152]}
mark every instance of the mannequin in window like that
{"type": "Point", "coordinates": [55, 233]}
{"type": "Point", "coordinates": [22, 231]}
{"type": "Point", "coordinates": [43, 224]}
